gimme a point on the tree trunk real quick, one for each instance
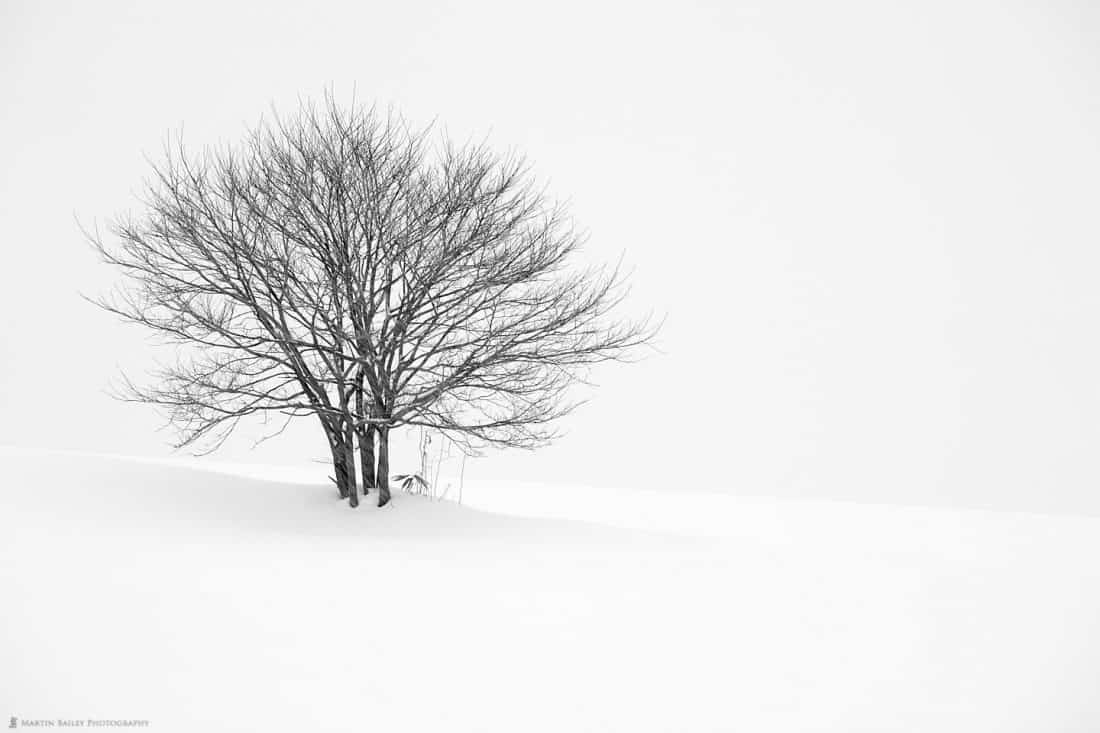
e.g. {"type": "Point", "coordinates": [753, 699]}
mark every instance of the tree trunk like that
{"type": "Point", "coordinates": [365, 434]}
{"type": "Point", "coordinates": [349, 460]}
{"type": "Point", "coordinates": [383, 477]}
{"type": "Point", "coordinates": [339, 464]}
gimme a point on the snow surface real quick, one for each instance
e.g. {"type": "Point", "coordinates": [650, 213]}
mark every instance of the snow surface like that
{"type": "Point", "coordinates": [209, 599]}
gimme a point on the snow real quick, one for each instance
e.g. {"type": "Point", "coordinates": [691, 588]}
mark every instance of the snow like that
{"type": "Point", "coordinates": [211, 597]}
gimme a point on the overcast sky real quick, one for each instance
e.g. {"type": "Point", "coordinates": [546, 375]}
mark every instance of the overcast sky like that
{"type": "Point", "coordinates": [873, 226]}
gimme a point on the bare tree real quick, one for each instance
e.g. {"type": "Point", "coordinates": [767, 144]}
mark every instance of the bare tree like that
{"type": "Point", "coordinates": [338, 265]}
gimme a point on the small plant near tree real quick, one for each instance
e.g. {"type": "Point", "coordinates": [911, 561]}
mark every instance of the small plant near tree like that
{"type": "Point", "coordinates": [413, 483]}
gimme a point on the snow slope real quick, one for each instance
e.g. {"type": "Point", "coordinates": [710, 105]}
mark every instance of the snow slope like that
{"type": "Point", "coordinates": [206, 601]}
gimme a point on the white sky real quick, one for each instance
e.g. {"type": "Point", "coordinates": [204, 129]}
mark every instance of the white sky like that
{"type": "Point", "coordinates": [872, 225]}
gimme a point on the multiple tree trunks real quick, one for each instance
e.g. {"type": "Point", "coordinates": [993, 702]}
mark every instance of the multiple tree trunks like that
{"type": "Point", "coordinates": [365, 436]}
{"type": "Point", "coordinates": [364, 433]}
{"type": "Point", "coordinates": [374, 464]}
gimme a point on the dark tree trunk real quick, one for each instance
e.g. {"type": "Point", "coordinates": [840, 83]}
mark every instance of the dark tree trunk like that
{"type": "Point", "coordinates": [339, 464]}
{"type": "Point", "coordinates": [366, 456]}
{"type": "Point", "coordinates": [383, 477]}
{"type": "Point", "coordinates": [365, 434]}
{"type": "Point", "coordinates": [349, 460]}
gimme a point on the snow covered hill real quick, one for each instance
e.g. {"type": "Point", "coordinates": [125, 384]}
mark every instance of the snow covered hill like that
{"type": "Point", "coordinates": [201, 600]}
